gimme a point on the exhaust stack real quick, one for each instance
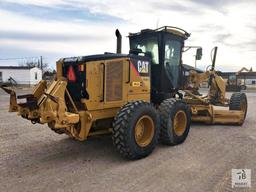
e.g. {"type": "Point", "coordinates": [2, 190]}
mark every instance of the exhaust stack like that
{"type": "Point", "coordinates": [118, 42]}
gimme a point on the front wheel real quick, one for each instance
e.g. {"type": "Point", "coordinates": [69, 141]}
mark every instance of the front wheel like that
{"type": "Point", "coordinates": [175, 121]}
{"type": "Point", "coordinates": [238, 101]}
{"type": "Point", "coordinates": [136, 130]}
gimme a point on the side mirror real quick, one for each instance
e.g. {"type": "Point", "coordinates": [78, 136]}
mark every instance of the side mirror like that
{"type": "Point", "coordinates": [199, 53]}
{"type": "Point", "coordinates": [135, 51]}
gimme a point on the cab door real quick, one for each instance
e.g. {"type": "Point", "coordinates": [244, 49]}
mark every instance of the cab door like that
{"type": "Point", "coordinates": [172, 60]}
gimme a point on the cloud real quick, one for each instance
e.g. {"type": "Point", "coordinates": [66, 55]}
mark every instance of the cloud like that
{"type": "Point", "coordinates": [77, 27]}
{"type": "Point", "coordinates": [177, 6]}
{"type": "Point", "coordinates": [13, 35]}
{"type": "Point", "coordinates": [219, 3]}
{"type": "Point", "coordinates": [63, 12]}
{"type": "Point", "coordinates": [215, 2]}
{"type": "Point", "coordinates": [221, 38]}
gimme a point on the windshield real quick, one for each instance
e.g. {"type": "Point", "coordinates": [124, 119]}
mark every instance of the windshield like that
{"type": "Point", "coordinates": [147, 45]}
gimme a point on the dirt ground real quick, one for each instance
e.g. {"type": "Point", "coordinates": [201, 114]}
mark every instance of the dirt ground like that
{"type": "Point", "coordinates": [33, 158]}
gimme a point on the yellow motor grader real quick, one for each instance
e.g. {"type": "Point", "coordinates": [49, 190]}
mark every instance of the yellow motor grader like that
{"type": "Point", "coordinates": [139, 97]}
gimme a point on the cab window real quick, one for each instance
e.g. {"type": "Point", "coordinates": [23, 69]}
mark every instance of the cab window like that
{"type": "Point", "coordinates": [147, 45]}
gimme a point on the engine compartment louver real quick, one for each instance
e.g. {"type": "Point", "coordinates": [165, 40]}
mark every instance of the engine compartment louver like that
{"type": "Point", "coordinates": [114, 81]}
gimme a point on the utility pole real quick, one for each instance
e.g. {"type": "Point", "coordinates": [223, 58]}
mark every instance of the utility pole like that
{"type": "Point", "coordinates": [195, 62]}
{"type": "Point", "coordinates": [41, 62]}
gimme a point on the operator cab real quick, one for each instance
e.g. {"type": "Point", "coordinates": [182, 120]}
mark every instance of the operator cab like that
{"type": "Point", "coordinates": [164, 47]}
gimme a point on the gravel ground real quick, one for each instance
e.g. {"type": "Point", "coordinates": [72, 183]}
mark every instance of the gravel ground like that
{"type": "Point", "coordinates": [33, 158]}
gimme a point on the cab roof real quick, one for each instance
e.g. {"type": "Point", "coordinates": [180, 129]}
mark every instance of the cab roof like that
{"type": "Point", "coordinates": [168, 29]}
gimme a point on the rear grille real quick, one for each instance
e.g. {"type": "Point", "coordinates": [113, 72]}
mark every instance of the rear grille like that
{"type": "Point", "coordinates": [114, 81]}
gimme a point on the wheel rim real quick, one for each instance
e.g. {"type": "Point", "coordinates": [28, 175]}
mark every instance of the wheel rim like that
{"type": "Point", "coordinates": [180, 122]}
{"type": "Point", "coordinates": [243, 106]}
{"type": "Point", "coordinates": [144, 131]}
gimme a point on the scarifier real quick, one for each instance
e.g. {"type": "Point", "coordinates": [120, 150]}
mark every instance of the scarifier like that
{"type": "Point", "coordinates": [140, 97]}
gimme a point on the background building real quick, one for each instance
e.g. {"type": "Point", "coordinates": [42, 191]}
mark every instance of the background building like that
{"type": "Point", "coordinates": [243, 79]}
{"type": "Point", "coordinates": [21, 75]}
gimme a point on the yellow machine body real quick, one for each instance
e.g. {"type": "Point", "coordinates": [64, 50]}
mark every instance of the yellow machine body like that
{"type": "Point", "coordinates": [111, 84]}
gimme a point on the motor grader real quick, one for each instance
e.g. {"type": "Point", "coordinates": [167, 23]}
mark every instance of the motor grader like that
{"type": "Point", "coordinates": [139, 97]}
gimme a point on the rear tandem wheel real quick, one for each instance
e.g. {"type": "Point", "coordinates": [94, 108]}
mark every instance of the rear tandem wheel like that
{"type": "Point", "coordinates": [136, 130]}
{"type": "Point", "coordinates": [175, 121]}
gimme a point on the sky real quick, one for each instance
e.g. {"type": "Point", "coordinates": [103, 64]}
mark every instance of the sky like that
{"type": "Point", "coordinates": [64, 28]}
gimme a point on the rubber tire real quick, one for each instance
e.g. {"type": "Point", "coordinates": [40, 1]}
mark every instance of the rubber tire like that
{"type": "Point", "coordinates": [123, 135]}
{"type": "Point", "coordinates": [236, 101]}
{"type": "Point", "coordinates": [167, 111]}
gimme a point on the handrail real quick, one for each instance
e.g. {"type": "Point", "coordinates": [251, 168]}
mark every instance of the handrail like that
{"type": "Point", "coordinates": [171, 27]}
